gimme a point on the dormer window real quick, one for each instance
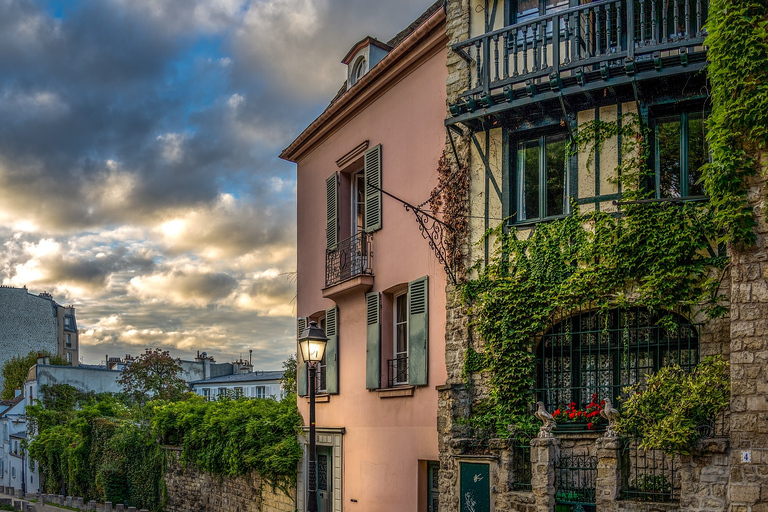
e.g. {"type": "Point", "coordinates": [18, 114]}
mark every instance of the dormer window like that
{"type": "Point", "coordinates": [358, 70]}
{"type": "Point", "coordinates": [363, 57]}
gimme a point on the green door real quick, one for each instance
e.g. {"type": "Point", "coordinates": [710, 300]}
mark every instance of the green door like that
{"type": "Point", "coordinates": [475, 487]}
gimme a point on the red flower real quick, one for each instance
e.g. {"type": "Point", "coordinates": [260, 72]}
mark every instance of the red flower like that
{"type": "Point", "coordinates": [572, 415]}
{"type": "Point", "coordinates": [590, 426]}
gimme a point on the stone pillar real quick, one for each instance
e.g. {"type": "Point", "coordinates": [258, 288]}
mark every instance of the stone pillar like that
{"type": "Point", "coordinates": [92, 505]}
{"type": "Point", "coordinates": [748, 485]}
{"type": "Point", "coordinates": [131, 509]}
{"type": "Point", "coordinates": [107, 506]}
{"type": "Point", "coordinates": [544, 453]}
{"type": "Point", "coordinates": [79, 503]}
{"type": "Point", "coordinates": [120, 508]}
{"type": "Point", "coordinates": [608, 485]}
{"type": "Point", "coordinates": [69, 501]}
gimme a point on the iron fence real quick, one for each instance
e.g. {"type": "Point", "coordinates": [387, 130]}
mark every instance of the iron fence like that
{"type": "Point", "coordinates": [352, 257]}
{"type": "Point", "coordinates": [649, 475]}
{"type": "Point", "coordinates": [575, 479]}
{"type": "Point", "coordinates": [521, 464]}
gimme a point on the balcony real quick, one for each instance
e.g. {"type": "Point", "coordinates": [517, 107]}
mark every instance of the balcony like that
{"type": "Point", "coordinates": [594, 46]}
{"type": "Point", "coordinates": [352, 258]}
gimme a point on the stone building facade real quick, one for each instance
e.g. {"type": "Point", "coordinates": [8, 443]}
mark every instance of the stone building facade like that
{"type": "Point", "coordinates": [514, 82]}
{"type": "Point", "coordinates": [31, 323]}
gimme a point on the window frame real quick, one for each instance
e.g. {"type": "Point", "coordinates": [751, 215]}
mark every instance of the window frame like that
{"type": "Point", "coordinates": [400, 355]}
{"type": "Point", "coordinates": [684, 115]}
{"type": "Point", "coordinates": [517, 181]}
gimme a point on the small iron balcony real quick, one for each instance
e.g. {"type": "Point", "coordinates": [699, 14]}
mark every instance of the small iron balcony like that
{"type": "Point", "coordinates": [591, 42]}
{"type": "Point", "coordinates": [352, 257]}
{"type": "Point", "coordinates": [397, 371]}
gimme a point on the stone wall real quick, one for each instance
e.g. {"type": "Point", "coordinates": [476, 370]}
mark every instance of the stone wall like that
{"type": "Point", "coordinates": [27, 324]}
{"type": "Point", "coordinates": [189, 489]}
{"type": "Point", "coordinates": [748, 490]}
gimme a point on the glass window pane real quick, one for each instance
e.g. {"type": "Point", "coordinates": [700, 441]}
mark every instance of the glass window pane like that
{"type": "Point", "coordinates": [527, 7]}
{"type": "Point", "coordinates": [528, 175]}
{"type": "Point", "coordinates": [698, 153]}
{"type": "Point", "coordinates": [555, 154]}
{"type": "Point", "coordinates": [402, 308]}
{"type": "Point", "coordinates": [668, 141]}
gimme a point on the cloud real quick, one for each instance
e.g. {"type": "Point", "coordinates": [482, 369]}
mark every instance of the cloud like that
{"type": "Point", "coordinates": [139, 177]}
{"type": "Point", "coordinates": [192, 285]}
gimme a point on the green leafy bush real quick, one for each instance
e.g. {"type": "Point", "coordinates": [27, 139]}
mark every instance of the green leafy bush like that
{"type": "Point", "coordinates": [234, 437]}
{"type": "Point", "coordinates": [674, 409]}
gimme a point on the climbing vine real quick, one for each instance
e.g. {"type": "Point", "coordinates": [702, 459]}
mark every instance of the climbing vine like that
{"type": "Point", "coordinates": [656, 255]}
{"type": "Point", "coordinates": [450, 197]}
{"type": "Point", "coordinates": [738, 124]}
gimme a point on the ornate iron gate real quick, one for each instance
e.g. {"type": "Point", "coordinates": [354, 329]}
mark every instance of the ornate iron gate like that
{"type": "Point", "coordinates": [575, 482]}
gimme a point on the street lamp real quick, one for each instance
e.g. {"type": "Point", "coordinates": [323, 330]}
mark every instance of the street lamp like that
{"type": "Point", "coordinates": [312, 347]}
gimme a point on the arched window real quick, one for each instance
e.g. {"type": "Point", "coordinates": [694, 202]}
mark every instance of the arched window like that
{"type": "Point", "coordinates": [602, 352]}
{"type": "Point", "coordinates": [358, 70]}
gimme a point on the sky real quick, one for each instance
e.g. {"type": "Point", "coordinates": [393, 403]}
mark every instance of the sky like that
{"type": "Point", "coordinates": [139, 171]}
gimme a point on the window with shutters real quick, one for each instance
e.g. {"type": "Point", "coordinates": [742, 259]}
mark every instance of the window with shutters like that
{"type": "Point", "coordinates": [402, 339]}
{"type": "Point", "coordinates": [353, 213]}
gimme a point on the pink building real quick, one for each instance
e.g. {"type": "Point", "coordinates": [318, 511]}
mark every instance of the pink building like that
{"type": "Point", "coordinates": [370, 279]}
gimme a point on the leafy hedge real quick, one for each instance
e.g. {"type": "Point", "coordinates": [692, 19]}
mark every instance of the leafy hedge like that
{"type": "Point", "coordinates": [98, 447]}
{"type": "Point", "coordinates": [234, 437]}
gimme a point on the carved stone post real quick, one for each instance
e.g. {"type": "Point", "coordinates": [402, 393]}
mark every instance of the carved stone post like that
{"type": "Point", "coordinates": [608, 485]}
{"type": "Point", "coordinates": [544, 453]}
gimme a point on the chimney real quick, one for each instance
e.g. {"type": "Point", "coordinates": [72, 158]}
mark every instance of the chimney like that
{"type": "Point", "coordinates": [16, 392]}
{"type": "Point", "coordinates": [47, 360]}
{"type": "Point", "coordinates": [40, 358]}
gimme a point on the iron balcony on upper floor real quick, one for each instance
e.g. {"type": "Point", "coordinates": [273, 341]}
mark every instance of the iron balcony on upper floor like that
{"type": "Point", "coordinates": [595, 45]}
{"type": "Point", "coordinates": [350, 258]}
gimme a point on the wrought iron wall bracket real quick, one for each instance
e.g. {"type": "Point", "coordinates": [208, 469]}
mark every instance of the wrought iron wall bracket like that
{"type": "Point", "coordinates": [432, 229]}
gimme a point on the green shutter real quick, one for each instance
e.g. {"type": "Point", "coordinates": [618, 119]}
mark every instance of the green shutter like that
{"type": "Point", "coordinates": [373, 341]}
{"type": "Point", "coordinates": [332, 351]}
{"type": "Point", "coordinates": [418, 331]}
{"type": "Point", "coordinates": [301, 366]}
{"type": "Point", "coordinates": [331, 212]}
{"type": "Point", "coordinates": [372, 175]}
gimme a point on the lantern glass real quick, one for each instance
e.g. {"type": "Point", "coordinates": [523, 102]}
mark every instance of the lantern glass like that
{"type": "Point", "coordinates": [312, 344]}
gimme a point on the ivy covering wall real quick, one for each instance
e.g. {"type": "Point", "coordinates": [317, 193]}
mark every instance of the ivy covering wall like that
{"type": "Point", "coordinates": [106, 448]}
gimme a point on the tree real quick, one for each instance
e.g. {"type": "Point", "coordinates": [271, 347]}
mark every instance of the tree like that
{"type": "Point", "coordinates": [154, 374]}
{"type": "Point", "coordinates": [289, 375]}
{"type": "Point", "coordinates": [16, 368]}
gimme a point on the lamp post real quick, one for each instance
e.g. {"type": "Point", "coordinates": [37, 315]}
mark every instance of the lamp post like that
{"type": "Point", "coordinates": [312, 347]}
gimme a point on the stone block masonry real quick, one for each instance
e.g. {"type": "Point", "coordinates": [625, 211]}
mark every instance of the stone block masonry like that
{"type": "Point", "coordinates": [190, 489]}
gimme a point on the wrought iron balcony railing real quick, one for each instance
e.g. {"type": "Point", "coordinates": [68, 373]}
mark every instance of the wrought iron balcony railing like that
{"type": "Point", "coordinates": [397, 371]}
{"type": "Point", "coordinates": [556, 50]}
{"type": "Point", "coordinates": [351, 258]}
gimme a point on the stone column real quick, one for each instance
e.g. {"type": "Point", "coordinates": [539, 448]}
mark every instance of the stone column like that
{"type": "Point", "coordinates": [748, 485]}
{"type": "Point", "coordinates": [608, 485]}
{"type": "Point", "coordinates": [107, 506]}
{"type": "Point", "coordinates": [544, 453]}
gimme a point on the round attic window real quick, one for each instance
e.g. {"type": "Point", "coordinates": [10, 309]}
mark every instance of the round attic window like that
{"type": "Point", "coordinates": [358, 70]}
